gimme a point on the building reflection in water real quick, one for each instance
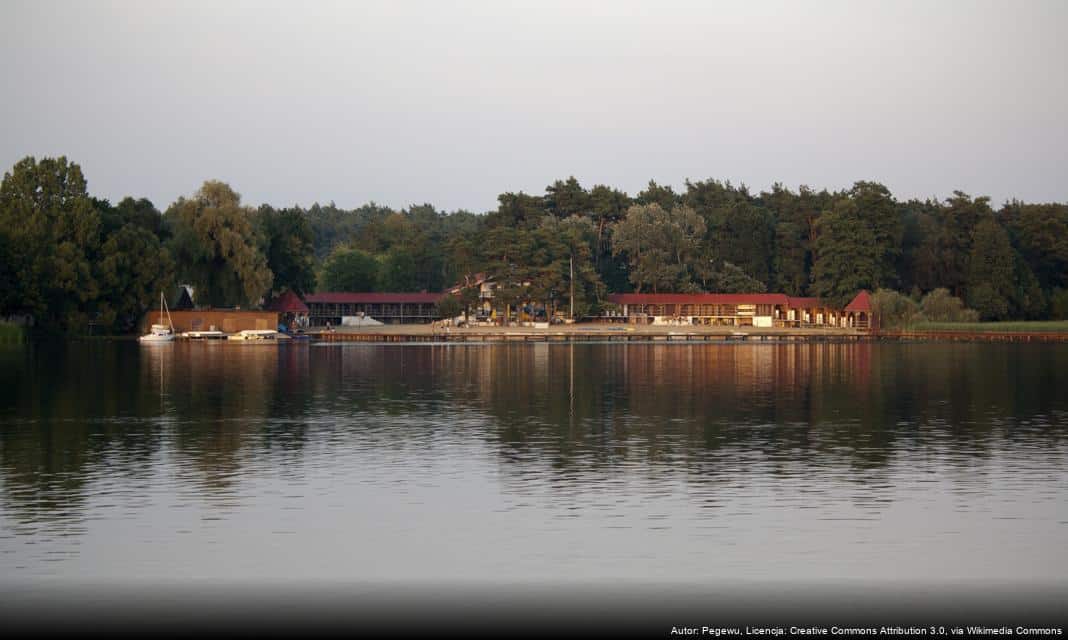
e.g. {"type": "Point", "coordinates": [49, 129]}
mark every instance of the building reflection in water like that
{"type": "Point", "coordinates": [208, 419]}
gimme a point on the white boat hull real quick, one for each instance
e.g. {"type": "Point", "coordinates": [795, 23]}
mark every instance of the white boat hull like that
{"type": "Point", "coordinates": [204, 335]}
{"type": "Point", "coordinates": [156, 339]}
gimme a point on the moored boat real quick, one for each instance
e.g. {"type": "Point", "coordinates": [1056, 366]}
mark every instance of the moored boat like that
{"type": "Point", "coordinates": [160, 333]}
{"type": "Point", "coordinates": [258, 334]}
{"type": "Point", "coordinates": [204, 335]}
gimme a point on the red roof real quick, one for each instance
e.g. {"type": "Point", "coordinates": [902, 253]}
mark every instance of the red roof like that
{"type": "Point", "coordinates": [860, 303]}
{"type": "Point", "coordinates": [804, 303]}
{"type": "Point", "coordinates": [698, 298]}
{"type": "Point", "coordinates": [716, 298]}
{"type": "Point", "coordinates": [346, 297]}
{"type": "Point", "coordinates": [288, 302]}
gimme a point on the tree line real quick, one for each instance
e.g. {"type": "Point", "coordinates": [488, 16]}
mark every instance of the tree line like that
{"type": "Point", "coordinates": [71, 260]}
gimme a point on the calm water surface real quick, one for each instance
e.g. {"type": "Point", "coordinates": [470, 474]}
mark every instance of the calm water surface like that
{"type": "Point", "coordinates": [534, 463]}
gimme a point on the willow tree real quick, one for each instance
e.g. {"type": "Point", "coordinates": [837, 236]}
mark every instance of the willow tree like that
{"type": "Point", "coordinates": [216, 248]}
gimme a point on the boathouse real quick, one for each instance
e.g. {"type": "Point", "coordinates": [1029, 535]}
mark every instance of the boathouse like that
{"type": "Point", "coordinates": [742, 310]}
{"type": "Point", "coordinates": [387, 308]}
{"type": "Point", "coordinates": [225, 320]}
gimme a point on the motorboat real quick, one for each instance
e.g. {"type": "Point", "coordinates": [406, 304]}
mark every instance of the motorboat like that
{"type": "Point", "coordinates": [160, 333]}
{"type": "Point", "coordinates": [258, 334]}
{"type": "Point", "coordinates": [204, 335]}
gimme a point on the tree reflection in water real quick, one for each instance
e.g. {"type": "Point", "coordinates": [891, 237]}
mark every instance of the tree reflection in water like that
{"type": "Point", "coordinates": [125, 427]}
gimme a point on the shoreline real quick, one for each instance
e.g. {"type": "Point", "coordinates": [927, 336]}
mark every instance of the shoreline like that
{"type": "Point", "coordinates": [649, 333]}
{"type": "Point", "coordinates": [427, 333]}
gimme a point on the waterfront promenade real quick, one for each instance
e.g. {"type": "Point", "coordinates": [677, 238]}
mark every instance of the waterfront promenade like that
{"type": "Point", "coordinates": [578, 333]}
{"type": "Point", "coordinates": [659, 333]}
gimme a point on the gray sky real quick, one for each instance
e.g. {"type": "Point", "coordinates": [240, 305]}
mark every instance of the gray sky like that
{"type": "Point", "coordinates": [453, 103]}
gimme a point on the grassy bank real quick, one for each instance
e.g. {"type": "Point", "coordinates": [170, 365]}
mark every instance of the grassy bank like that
{"type": "Point", "coordinates": [1049, 326]}
{"type": "Point", "coordinates": [10, 333]}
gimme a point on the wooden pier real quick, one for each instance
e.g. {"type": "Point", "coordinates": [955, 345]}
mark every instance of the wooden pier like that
{"type": "Point", "coordinates": [589, 336]}
{"type": "Point", "coordinates": [974, 336]}
{"type": "Point", "coordinates": [584, 336]}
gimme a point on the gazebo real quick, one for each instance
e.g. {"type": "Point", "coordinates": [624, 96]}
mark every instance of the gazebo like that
{"type": "Point", "coordinates": [290, 308]}
{"type": "Point", "coordinates": [859, 311]}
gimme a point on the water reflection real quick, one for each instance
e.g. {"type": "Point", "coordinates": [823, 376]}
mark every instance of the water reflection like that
{"type": "Point", "coordinates": [714, 449]}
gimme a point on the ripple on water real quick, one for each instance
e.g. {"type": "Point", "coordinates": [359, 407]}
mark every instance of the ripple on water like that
{"type": "Point", "coordinates": [611, 461]}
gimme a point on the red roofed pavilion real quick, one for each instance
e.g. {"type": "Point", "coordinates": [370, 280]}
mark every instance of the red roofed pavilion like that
{"type": "Point", "coordinates": [862, 302]}
{"type": "Point", "coordinates": [859, 311]}
{"type": "Point", "coordinates": [288, 302]}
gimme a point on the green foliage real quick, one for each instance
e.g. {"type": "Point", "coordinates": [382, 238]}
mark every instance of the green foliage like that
{"type": "Point", "coordinates": [1059, 304]}
{"type": "Point", "coordinates": [857, 244]}
{"type": "Point", "coordinates": [730, 278]}
{"type": "Point", "coordinates": [955, 237]}
{"type": "Point", "coordinates": [334, 227]}
{"type": "Point", "coordinates": [922, 258]}
{"type": "Point", "coordinates": [941, 306]}
{"type": "Point", "coordinates": [664, 196]}
{"type": "Point", "coordinates": [893, 309]}
{"type": "Point", "coordinates": [992, 327]}
{"type": "Point", "coordinates": [132, 271]}
{"type": "Point", "coordinates": [398, 271]}
{"type": "Point", "coordinates": [743, 234]}
{"type": "Point", "coordinates": [1029, 301]}
{"type": "Point", "coordinates": [216, 248]}
{"type": "Point", "coordinates": [349, 270]}
{"type": "Point", "coordinates": [1040, 232]}
{"type": "Point", "coordinates": [69, 259]}
{"type": "Point", "coordinates": [52, 235]}
{"type": "Point", "coordinates": [449, 307]}
{"type": "Point", "coordinates": [564, 199]}
{"type": "Point", "coordinates": [11, 286]}
{"type": "Point", "coordinates": [791, 259]}
{"type": "Point", "coordinates": [560, 249]}
{"type": "Point", "coordinates": [516, 210]}
{"type": "Point", "coordinates": [469, 298]}
{"type": "Point", "coordinates": [991, 278]}
{"type": "Point", "coordinates": [847, 258]}
{"type": "Point", "coordinates": [289, 246]}
{"type": "Point", "coordinates": [11, 333]}
{"type": "Point", "coordinates": [661, 246]}
{"type": "Point", "coordinates": [140, 212]}
{"type": "Point", "coordinates": [607, 207]}
{"type": "Point", "coordinates": [877, 209]}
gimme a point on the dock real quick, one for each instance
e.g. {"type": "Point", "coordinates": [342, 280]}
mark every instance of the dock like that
{"type": "Point", "coordinates": [573, 336]}
{"type": "Point", "coordinates": [422, 334]}
{"type": "Point", "coordinates": [974, 336]}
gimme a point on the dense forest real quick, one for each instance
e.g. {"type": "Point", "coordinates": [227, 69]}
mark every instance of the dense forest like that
{"type": "Point", "coordinates": [72, 261]}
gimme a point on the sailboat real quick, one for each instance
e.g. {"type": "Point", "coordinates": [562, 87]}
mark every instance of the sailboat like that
{"type": "Point", "coordinates": [160, 332]}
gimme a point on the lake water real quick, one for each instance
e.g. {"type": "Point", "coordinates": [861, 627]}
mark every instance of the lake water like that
{"type": "Point", "coordinates": [534, 463]}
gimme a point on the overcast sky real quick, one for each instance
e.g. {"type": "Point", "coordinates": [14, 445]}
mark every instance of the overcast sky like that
{"type": "Point", "coordinates": [453, 103]}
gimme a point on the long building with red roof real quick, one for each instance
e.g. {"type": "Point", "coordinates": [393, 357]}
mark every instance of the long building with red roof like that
{"type": "Point", "coordinates": [388, 308]}
{"type": "Point", "coordinates": [742, 310]}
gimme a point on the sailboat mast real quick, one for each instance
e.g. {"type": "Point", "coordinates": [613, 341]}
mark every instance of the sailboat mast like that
{"type": "Point", "coordinates": [162, 305]}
